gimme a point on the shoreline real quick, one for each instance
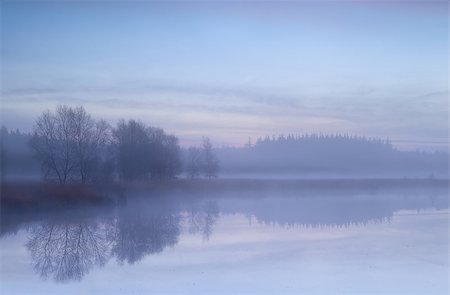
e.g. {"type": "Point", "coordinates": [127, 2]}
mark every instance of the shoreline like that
{"type": "Point", "coordinates": [46, 195]}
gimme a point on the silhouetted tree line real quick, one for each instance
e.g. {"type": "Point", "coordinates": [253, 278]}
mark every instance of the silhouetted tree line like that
{"type": "Point", "coordinates": [71, 146]}
{"type": "Point", "coordinates": [332, 153]}
{"type": "Point", "coordinates": [15, 153]}
{"type": "Point", "coordinates": [312, 140]}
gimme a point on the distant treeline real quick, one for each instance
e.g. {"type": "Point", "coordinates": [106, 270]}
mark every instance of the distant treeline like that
{"type": "Point", "coordinates": [70, 146]}
{"type": "Point", "coordinates": [333, 154]}
{"type": "Point", "coordinates": [16, 157]}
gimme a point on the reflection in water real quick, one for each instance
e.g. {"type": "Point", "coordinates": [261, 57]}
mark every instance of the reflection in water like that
{"type": "Point", "coordinates": [66, 249]}
{"type": "Point", "coordinates": [202, 218]}
{"type": "Point", "coordinates": [326, 212]}
{"type": "Point", "coordinates": [331, 211]}
{"type": "Point", "coordinates": [140, 231]}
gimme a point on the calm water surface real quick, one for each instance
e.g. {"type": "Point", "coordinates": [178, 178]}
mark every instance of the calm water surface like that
{"type": "Point", "coordinates": [273, 242]}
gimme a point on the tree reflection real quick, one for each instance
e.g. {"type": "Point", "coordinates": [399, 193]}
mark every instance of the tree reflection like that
{"type": "Point", "coordinates": [140, 231]}
{"type": "Point", "coordinates": [202, 218]}
{"type": "Point", "coordinates": [333, 211]}
{"type": "Point", "coordinates": [67, 251]}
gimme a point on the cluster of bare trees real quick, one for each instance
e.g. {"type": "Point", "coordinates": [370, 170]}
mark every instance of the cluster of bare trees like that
{"type": "Point", "coordinates": [74, 147]}
{"type": "Point", "coordinates": [145, 151]}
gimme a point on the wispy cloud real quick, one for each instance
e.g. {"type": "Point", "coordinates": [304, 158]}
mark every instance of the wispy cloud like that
{"type": "Point", "coordinates": [235, 113]}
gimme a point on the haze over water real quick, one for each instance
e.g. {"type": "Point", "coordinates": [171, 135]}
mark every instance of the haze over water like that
{"type": "Point", "coordinates": [276, 241]}
{"type": "Point", "coordinates": [224, 147]}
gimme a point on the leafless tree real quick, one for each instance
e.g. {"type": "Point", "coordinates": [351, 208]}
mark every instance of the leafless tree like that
{"type": "Point", "coordinates": [91, 138]}
{"type": "Point", "coordinates": [164, 154]}
{"type": "Point", "coordinates": [68, 143]}
{"type": "Point", "coordinates": [53, 142]}
{"type": "Point", "coordinates": [194, 162]}
{"type": "Point", "coordinates": [143, 151]}
{"type": "Point", "coordinates": [131, 145]}
{"type": "Point", "coordinates": [210, 160]}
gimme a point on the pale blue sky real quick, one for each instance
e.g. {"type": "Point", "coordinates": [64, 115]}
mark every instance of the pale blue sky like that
{"type": "Point", "coordinates": [234, 69]}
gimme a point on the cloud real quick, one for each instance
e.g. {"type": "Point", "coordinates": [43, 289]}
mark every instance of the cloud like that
{"type": "Point", "coordinates": [238, 112]}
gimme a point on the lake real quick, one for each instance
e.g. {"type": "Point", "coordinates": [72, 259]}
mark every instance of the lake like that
{"type": "Point", "coordinates": [279, 240]}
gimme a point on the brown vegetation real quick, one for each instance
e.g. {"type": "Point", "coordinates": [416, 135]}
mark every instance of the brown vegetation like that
{"type": "Point", "coordinates": [36, 196]}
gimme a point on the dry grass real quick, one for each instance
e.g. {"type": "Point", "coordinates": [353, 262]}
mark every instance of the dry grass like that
{"type": "Point", "coordinates": [32, 196]}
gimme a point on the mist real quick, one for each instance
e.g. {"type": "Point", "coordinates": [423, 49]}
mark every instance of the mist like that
{"type": "Point", "coordinates": [236, 147]}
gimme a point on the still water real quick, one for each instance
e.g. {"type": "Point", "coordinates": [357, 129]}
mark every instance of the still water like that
{"type": "Point", "coordinates": [235, 242]}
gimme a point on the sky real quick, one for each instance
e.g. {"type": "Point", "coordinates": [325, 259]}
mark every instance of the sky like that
{"type": "Point", "coordinates": [234, 70]}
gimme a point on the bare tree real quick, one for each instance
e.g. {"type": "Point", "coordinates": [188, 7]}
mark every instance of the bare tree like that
{"type": "Point", "coordinates": [194, 162]}
{"type": "Point", "coordinates": [164, 153]}
{"type": "Point", "coordinates": [90, 139]}
{"type": "Point", "coordinates": [52, 141]}
{"type": "Point", "coordinates": [143, 151]}
{"type": "Point", "coordinates": [68, 143]}
{"type": "Point", "coordinates": [131, 144]}
{"type": "Point", "coordinates": [210, 160]}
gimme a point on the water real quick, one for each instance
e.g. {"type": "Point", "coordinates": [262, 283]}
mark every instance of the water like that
{"type": "Point", "coordinates": [276, 241]}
